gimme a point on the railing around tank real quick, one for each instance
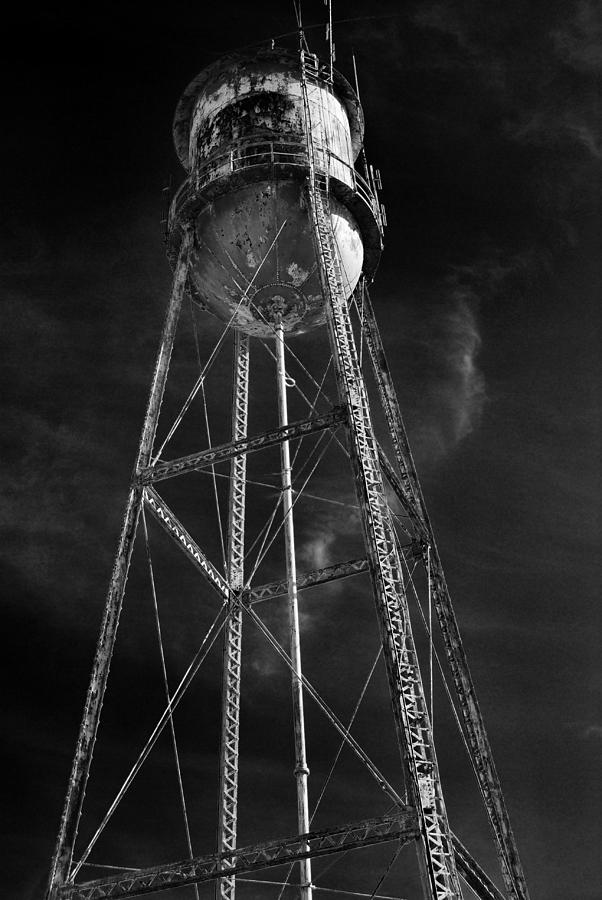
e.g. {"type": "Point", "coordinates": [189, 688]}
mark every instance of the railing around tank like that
{"type": "Point", "coordinates": [243, 156]}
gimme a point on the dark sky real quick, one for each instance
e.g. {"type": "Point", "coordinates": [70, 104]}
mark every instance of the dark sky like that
{"type": "Point", "coordinates": [484, 119]}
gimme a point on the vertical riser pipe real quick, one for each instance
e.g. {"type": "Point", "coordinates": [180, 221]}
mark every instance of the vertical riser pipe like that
{"type": "Point", "coordinates": [301, 768]}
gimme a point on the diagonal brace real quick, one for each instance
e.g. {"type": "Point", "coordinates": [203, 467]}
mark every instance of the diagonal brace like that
{"type": "Point", "coordinates": [474, 876]}
{"type": "Point", "coordinates": [178, 533]}
{"type": "Point", "coordinates": [402, 827]}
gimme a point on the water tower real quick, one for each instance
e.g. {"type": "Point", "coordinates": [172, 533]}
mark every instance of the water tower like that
{"type": "Point", "coordinates": [276, 232]}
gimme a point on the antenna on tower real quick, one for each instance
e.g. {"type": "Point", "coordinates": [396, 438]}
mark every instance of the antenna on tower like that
{"type": "Point", "coordinates": [331, 47]}
{"type": "Point", "coordinates": [167, 197]}
{"type": "Point", "coordinates": [357, 91]}
{"type": "Point", "coordinates": [298, 17]}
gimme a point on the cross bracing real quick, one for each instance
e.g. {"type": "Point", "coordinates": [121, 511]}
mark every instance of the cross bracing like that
{"type": "Point", "coordinates": [388, 512]}
{"type": "Point", "coordinates": [401, 827]}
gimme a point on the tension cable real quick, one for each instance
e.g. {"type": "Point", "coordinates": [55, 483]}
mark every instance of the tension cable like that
{"type": "Point", "coordinates": [167, 694]}
{"type": "Point", "coordinates": [215, 350]}
{"type": "Point", "coordinates": [199, 657]}
{"type": "Point", "coordinates": [313, 693]}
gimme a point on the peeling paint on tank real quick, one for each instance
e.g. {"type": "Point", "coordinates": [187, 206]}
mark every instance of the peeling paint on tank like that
{"type": "Point", "coordinates": [226, 123]}
{"type": "Point", "coordinates": [266, 104]}
{"type": "Point", "coordinates": [268, 113]}
{"type": "Point", "coordinates": [236, 248]}
{"type": "Point", "coordinates": [297, 274]}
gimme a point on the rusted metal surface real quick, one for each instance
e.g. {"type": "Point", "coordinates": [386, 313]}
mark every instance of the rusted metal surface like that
{"type": "Point", "coordinates": [264, 161]}
{"type": "Point", "coordinates": [244, 104]}
{"type": "Point", "coordinates": [261, 68]}
{"type": "Point", "coordinates": [233, 253]}
{"type": "Point", "coordinates": [253, 248]}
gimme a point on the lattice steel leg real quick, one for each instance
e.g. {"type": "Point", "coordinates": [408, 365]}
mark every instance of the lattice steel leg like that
{"type": "Point", "coordinates": [61, 862]}
{"type": "Point", "coordinates": [478, 741]}
{"type": "Point", "coordinates": [228, 792]}
{"type": "Point", "coordinates": [390, 404]}
{"type": "Point", "coordinates": [400, 655]}
{"type": "Point", "coordinates": [405, 683]}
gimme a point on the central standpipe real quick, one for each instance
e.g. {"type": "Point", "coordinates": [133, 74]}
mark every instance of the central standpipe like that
{"type": "Point", "coordinates": [301, 768]}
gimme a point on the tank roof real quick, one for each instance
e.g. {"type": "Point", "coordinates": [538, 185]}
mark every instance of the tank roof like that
{"type": "Point", "coordinates": [280, 55]}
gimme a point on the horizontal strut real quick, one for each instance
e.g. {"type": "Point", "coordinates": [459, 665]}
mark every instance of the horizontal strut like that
{"type": "Point", "coordinates": [274, 589]}
{"type": "Point", "coordinates": [224, 452]}
{"type": "Point", "coordinates": [402, 827]}
{"type": "Point", "coordinates": [319, 576]}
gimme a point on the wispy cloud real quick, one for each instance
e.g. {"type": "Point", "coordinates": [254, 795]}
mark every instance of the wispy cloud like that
{"type": "Point", "coordinates": [579, 42]}
{"type": "Point", "coordinates": [315, 552]}
{"type": "Point", "coordinates": [455, 386]}
{"type": "Point", "coordinates": [465, 387]}
{"type": "Point", "coordinates": [593, 731]}
{"type": "Point", "coordinates": [585, 731]}
{"type": "Point", "coordinates": [440, 344]}
{"type": "Point", "coordinates": [544, 85]}
{"type": "Point", "coordinates": [572, 124]}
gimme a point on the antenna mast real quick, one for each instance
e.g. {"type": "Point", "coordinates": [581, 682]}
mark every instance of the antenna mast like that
{"type": "Point", "coordinates": [329, 38]}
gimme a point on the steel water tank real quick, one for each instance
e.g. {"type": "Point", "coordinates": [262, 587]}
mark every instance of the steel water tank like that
{"type": "Point", "coordinates": [240, 132]}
